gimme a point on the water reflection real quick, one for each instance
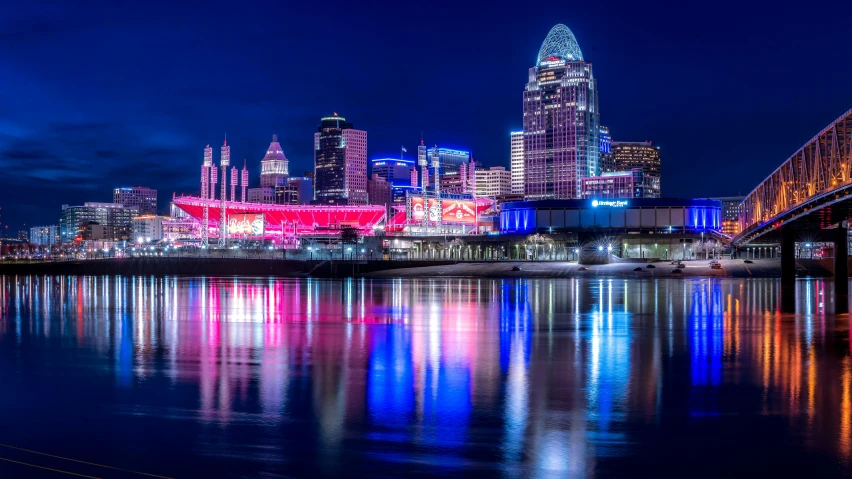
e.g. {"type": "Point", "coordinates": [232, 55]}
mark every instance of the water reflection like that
{"type": "Point", "coordinates": [519, 377]}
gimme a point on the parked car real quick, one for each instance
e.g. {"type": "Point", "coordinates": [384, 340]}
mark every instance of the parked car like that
{"type": "Point", "coordinates": [638, 268]}
{"type": "Point", "coordinates": [716, 266]}
{"type": "Point", "coordinates": [650, 266]}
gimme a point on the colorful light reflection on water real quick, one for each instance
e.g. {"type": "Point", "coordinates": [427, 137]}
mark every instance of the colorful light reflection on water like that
{"type": "Point", "coordinates": [258, 376]}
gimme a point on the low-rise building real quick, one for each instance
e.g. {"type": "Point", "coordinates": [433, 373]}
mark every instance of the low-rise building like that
{"type": "Point", "coordinates": [147, 228]}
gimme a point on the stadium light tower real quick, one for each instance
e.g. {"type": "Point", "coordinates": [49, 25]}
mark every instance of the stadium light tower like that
{"type": "Point", "coordinates": [205, 193]}
{"type": "Point", "coordinates": [224, 161]}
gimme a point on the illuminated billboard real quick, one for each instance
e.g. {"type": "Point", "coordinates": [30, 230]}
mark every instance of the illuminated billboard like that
{"type": "Point", "coordinates": [417, 210]}
{"type": "Point", "coordinates": [434, 210]}
{"type": "Point", "coordinates": [245, 224]}
{"type": "Point", "coordinates": [459, 211]}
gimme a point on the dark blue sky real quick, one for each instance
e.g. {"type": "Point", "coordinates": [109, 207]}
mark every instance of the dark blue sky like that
{"type": "Point", "coordinates": [98, 95]}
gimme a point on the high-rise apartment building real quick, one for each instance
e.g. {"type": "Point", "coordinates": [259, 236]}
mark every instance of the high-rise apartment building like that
{"type": "Point", "coordinates": [144, 199]}
{"type": "Point", "coordinates": [637, 154]}
{"type": "Point", "coordinates": [274, 168]}
{"type": "Point", "coordinates": [44, 235]}
{"type": "Point", "coordinates": [516, 161]}
{"type": "Point", "coordinates": [340, 163]}
{"type": "Point", "coordinates": [561, 120]}
{"type": "Point", "coordinates": [493, 182]}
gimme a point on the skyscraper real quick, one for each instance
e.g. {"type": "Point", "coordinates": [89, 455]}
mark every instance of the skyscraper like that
{"type": "Point", "coordinates": [274, 166]}
{"type": "Point", "coordinates": [340, 163]}
{"type": "Point", "coordinates": [561, 120]}
{"type": "Point", "coordinates": [637, 154]}
{"type": "Point", "coordinates": [607, 163]}
{"type": "Point", "coordinates": [516, 161]}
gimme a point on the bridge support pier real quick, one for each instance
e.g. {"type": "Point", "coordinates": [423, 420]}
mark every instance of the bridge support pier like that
{"type": "Point", "coordinates": [841, 271]}
{"type": "Point", "coordinates": [788, 270]}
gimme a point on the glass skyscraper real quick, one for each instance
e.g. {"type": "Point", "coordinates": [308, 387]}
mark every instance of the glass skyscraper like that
{"type": "Point", "coordinates": [340, 163]}
{"type": "Point", "coordinates": [561, 120]}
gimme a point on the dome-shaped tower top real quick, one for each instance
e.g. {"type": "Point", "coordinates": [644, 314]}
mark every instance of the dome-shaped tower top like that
{"type": "Point", "coordinates": [560, 42]}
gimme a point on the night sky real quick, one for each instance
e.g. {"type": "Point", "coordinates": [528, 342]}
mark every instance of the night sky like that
{"type": "Point", "coordinates": [99, 95]}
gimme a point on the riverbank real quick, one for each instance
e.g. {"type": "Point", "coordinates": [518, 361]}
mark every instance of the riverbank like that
{"type": "Point", "coordinates": [759, 268]}
{"type": "Point", "coordinates": [200, 266]}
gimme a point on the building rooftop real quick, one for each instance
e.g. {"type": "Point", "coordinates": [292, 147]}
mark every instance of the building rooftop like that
{"type": "Point", "coordinates": [559, 44]}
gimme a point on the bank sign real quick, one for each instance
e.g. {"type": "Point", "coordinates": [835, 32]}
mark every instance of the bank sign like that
{"type": "Point", "coordinates": [609, 203]}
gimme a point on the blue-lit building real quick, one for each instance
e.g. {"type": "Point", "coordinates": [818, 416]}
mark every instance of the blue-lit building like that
{"type": "Point", "coordinates": [399, 173]}
{"type": "Point", "coordinates": [636, 215]}
{"type": "Point", "coordinates": [669, 228]}
{"type": "Point", "coordinates": [450, 160]}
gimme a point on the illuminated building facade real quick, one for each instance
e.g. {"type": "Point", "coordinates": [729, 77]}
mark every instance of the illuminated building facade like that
{"type": "Point", "coordinates": [274, 167]}
{"type": "Point", "coordinates": [44, 235]}
{"type": "Point", "coordinates": [637, 154]}
{"type": "Point", "coordinates": [340, 163]}
{"type": "Point", "coordinates": [144, 199]}
{"type": "Point", "coordinates": [658, 215]}
{"type": "Point", "coordinates": [493, 182]}
{"type": "Point", "coordinates": [607, 158]}
{"type": "Point", "coordinates": [730, 214]}
{"type": "Point", "coordinates": [621, 184]}
{"type": "Point", "coordinates": [75, 218]}
{"type": "Point", "coordinates": [395, 171]}
{"type": "Point", "coordinates": [561, 120]}
{"type": "Point", "coordinates": [298, 190]}
{"type": "Point", "coordinates": [146, 228]}
{"type": "Point", "coordinates": [516, 161]}
{"type": "Point", "coordinates": [261, 195]}
{"type": "Point", "coordinates": [445, 161]}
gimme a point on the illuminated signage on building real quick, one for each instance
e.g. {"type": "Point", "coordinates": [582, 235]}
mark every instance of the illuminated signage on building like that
{"type": "Point", "coordinates": [463, 212]}
{"type": "Point", "coordinates": [609, 203]}
{"type": "Point", "coordinates": [245, 224]}
{"type": "Point", "coordinates": [552, 61]}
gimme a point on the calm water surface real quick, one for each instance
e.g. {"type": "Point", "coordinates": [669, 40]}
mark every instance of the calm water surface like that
{"type": "Point", "coordinates": [258, 377]}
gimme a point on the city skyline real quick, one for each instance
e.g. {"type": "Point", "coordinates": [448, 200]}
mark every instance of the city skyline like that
{"type": "Point", "coordinates": [84, 149]}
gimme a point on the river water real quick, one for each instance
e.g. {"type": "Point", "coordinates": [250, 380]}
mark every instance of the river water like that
{"type": "Point", "coordinates": [260, 377]}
